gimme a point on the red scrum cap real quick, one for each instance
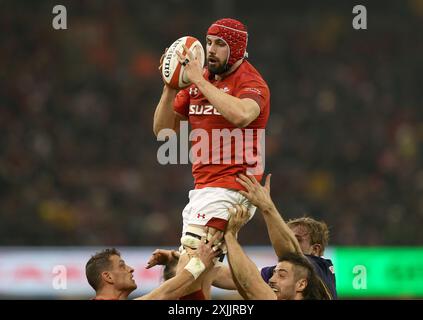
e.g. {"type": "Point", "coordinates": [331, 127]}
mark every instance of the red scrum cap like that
{"type": "Point", "coordinates": [234, 33]}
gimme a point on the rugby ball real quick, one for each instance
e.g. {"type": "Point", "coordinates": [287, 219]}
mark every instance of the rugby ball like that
{"type": "Point", "coordinates": [172, 70]}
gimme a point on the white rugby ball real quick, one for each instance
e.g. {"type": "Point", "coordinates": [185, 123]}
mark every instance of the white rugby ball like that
{"type": "Point", "coordinates": [172, 71]}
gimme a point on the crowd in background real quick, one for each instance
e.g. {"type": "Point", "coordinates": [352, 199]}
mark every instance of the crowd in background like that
{"type": "Point", "coordinates": [78, 158]}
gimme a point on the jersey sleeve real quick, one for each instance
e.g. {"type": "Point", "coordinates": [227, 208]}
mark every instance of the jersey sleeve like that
{"type": "Point", "coordinates": [255, 89]}
{"type": "Point", "coordinates": [181, 103]}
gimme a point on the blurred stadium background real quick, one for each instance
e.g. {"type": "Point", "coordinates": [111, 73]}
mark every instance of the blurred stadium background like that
{"type": "Point", "coordinates": [78, 168]}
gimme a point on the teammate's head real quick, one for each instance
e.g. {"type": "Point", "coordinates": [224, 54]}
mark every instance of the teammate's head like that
{"type": "Point", "coordinates": [312, 235]}
{"type": "Point", "coordinates": [226, 44]}
{"type": "Point", "coordinates": [107, 268]}
{"type": "Point", "coordinates": [295, 279]}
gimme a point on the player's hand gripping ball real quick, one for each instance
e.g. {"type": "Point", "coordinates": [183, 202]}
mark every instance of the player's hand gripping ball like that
{"type": "Point", "coordinates": [172, 69]}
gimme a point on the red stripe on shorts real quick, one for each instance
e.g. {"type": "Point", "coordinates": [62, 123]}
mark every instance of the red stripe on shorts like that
{"type": "Point", "coordinates": [217, 223]}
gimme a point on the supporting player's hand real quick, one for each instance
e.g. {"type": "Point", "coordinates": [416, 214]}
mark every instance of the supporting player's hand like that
{"type": "Point", "coordinates": [193, 68]}
{"type": "Point", "coordinates": [238, 217]}
{"type": "Point", "coordinates": [257, 194]}
{"type": "Point", "coordinates": [162, 257]}
{"type": "Point", "coordinates": [209, 250]}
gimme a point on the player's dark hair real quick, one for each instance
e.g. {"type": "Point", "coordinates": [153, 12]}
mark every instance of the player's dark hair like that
{"type": "Point", "coordinates": [97, 264]}
{"type": "Point", "coordinates": [315, 289]}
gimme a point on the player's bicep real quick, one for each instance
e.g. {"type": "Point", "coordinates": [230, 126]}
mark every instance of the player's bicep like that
{"type": "Point", "coordinates": [260, 290]}
{"type": "Point", "coordinates": [224, 280]}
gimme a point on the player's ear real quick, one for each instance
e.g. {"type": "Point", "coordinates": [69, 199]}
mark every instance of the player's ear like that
{"type": "Point", "coordinates": [107, 277]}
{"type": "Point", "coordinates": [301, 285]}
{"type": "Point", "coordinates": [316, 249]}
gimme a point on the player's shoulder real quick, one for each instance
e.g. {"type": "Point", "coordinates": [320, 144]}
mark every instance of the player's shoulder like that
{"type": "Point", "coordinates": [319, 261]}
{"type": "Point", "coordinates": [247, 69]}
{"type": "Point", "coordinates": [247, 72]}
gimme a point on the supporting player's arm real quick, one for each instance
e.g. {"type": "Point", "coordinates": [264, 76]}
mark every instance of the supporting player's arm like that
{"type": "Point", "coordinates": [169, 258]}
{"type": "Point", "coordinates": [177, 286]}
{"type": "Point", "coordinates": [282, 238]}
{"type": "Point", "coordinates": [240, 112]}
{"type": "Point", "coordinates": [250, 284]}
{"type": "Point", "coordinates": [224, 280]}
{"type": "Point", "coordinates": [162, 257]}
{"type": "Point", "coordinates": [171, 289]}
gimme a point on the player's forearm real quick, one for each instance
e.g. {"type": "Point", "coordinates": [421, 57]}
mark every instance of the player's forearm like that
{"type": "Point", "coordinates": [178, 288]}
{"type": "Point", "coordinates": [171, 289]}
{"type": "Point", "coordinates": [282, 238]}
{"type": "Point", "coordinates": [246, 275]}
{"type": "Point", "coordinates": [224, 279]}
{"type": "Point", "coordinates": [231, 108]}
{"type": "Point", "coordinates": [164, 116]}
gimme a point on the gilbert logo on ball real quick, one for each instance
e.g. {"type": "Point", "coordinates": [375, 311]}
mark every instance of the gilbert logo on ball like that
{"type": "Point", "coordinates": [173, 71]}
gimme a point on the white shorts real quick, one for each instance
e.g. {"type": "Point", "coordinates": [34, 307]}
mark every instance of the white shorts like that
{"type": "Point", "coordinates": [211, 202]}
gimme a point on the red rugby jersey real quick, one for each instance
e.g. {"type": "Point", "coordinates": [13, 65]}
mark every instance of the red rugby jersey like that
{"type": "Point", "coordinates": [244, 82]}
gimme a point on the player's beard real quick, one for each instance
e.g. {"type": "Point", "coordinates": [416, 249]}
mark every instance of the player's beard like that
{"type": "Point", "coordinates": [218, 67]}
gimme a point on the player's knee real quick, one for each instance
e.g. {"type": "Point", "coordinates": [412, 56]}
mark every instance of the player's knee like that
{"type": "Point", "coordinates": [192, 237]}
